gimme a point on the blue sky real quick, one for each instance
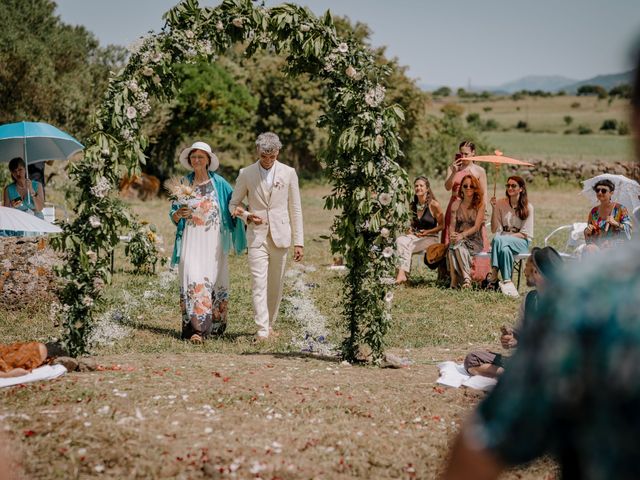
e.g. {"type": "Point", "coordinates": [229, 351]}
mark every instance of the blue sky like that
{"type": "Point", "coordinates": [443, 42]}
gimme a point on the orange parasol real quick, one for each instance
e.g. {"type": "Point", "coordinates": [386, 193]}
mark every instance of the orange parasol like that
{"type": "Point", "coordinates": [499, 159]}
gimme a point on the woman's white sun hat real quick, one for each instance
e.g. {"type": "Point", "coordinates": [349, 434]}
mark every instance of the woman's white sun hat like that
{"type": "Point", "coordinates": [184, 156]}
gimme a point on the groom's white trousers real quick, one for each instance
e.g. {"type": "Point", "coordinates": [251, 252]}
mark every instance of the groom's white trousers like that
{"type": "Point", "coordinates": [266, 263]}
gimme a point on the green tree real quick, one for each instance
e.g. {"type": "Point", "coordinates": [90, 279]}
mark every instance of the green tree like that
{"type": "Point", "coordinates": [442, 92]}
{"type": "Point", "coordinates": [48, 70]}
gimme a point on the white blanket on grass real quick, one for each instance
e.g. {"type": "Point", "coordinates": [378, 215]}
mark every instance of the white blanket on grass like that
{"type": "Point", "coordinates": [453, 374]}
{"type": "Point", "coordinates": [46, 372]}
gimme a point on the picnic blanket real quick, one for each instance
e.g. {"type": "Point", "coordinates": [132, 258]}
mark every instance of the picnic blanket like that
{"type": "Point", "coordinates": [453, 374]}
{"type": "Point", "coordinates": [45, 372]}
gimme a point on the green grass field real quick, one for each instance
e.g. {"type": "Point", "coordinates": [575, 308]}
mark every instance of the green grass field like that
{"type": "Point", "coordinates": [563, 148]}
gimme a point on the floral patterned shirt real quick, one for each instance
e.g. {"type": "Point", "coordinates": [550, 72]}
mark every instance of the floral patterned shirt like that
{"type": "Point", "coordinates": [602, 234]}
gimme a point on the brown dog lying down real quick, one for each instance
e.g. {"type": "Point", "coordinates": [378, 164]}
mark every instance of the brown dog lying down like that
{"type": "Point", "coordinates": [143, 186]}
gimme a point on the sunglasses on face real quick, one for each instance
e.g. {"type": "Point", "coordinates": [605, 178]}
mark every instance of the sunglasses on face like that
{"type": "Point", "coordinates": [602, 190]}
{"type": "Point", "coordinates": [468, 187]}
{"type": "Point", "coordinates": [512, 185]}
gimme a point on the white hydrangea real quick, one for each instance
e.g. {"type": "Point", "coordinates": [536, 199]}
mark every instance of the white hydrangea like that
{"type": "Point", "coordinates": [387, 252]}
{"type": "Point", "coordinates": [147, 71]}
{"type": "Point", "coordinates": [132, 85]}
{"type": "Point", "coordinates": [351, 72]}
{"type": "Point", "coordinates": [384, 232]}
{"type": "Point", "coordinates": [101, 188]}
{"type": "Point", "coordinates": [384, 199]}
{"type": "Point", "coordinates": [375, 96]}
{"type": "Point", "coordinates": [94, 221]}
{"type": "Point", "coordinates": [343, 48]}
{"type": "Point", "coordinates": [131, 112]}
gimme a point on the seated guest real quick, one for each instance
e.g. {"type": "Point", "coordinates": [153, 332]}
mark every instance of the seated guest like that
{"type": "Point", "coordinates": [465, 231]}
{"type": "Point", "coordinates": [609, 223]}
{"type": "Point", "coordinates": [23, 194]}
{"type": "Point", "coordinates": [512, 218]}
{"type": "Point", "coordinates": [540, 267]}
{"type": "Point", "coordinates": [426, 222]}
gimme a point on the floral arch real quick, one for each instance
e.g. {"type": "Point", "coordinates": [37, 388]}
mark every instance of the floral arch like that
{"type": "Point", "coordinates": [369, 187]}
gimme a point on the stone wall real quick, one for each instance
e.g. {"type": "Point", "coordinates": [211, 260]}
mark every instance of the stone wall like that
{"type": "Point", "coordinates": [549, 169]}
{"type": "Point", "coordinates": [26, 272]}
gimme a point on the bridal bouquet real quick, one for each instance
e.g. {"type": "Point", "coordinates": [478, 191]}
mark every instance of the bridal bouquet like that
{"type": "Point", "coordinates": [180, 191]}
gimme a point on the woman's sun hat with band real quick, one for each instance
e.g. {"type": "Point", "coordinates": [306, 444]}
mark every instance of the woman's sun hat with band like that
{"type": "Point", "coordinates": [184, 156]}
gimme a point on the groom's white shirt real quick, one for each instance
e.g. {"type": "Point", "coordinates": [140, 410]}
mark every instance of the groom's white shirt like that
{"type": "Point", "coordinates": [279, 205]}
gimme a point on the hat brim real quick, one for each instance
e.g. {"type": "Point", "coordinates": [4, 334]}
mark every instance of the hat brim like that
{"type": "Point", "coordinates": [184, 159]}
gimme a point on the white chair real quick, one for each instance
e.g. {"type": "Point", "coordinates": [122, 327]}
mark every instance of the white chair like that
{"type": "Point", "coordinates": [575, 239]}
{"type": "Point", "coordinates": [49, 214]}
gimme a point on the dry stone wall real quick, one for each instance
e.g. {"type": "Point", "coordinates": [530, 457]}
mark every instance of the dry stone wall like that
{"type": "Point", "coordinates": [26, 272]}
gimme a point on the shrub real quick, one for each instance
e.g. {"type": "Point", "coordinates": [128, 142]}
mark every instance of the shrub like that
{"type": "Point", "coordinates": [522, 125]}
{"type": "Point", "coordinates": [575, 105]}
{"type": "Point", "coordinates": [568, 120]}
{"type": "Point", "coordinates": [487, 109]}
{"type": "Point", "coordinates": [517, 96]}
{"type": "Point", "coordinates": [452, 110]}
{"type": "Point", "coordinates": [584, 130]}
{"type": "Point", "coordinates": [473, 119]}
{"type": "Point", "coordinates": [442, 92]}
{"type": "Point", "coordinates": [622, 91]}
{"type": "Point", "coordinates": [491, 124]}
{"type": "Point", "coordinates": [609, 124]}
{"type": "Point", "coordinates": [623, 128]}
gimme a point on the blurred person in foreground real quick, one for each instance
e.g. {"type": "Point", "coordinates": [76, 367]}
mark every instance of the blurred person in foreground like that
{"type": "Point", "coordinates": [572, 390]}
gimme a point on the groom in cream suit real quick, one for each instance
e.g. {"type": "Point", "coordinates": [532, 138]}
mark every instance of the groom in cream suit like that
{"type": "Point", "coordinates": [274, 217]}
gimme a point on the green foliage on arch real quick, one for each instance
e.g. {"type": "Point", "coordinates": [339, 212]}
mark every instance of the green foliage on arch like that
{"type": "Point", "coordinates": [370, 189]}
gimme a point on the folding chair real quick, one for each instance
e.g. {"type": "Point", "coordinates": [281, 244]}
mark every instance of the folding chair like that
{"type": "Point", "coordinates": [575, 240]}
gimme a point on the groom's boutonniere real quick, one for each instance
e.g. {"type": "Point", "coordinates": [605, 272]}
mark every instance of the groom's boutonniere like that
{"type": "Point", "coordinates": [278, 184]}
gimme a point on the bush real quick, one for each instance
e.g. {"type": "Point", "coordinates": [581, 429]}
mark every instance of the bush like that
{"type": "Point", "coordinates": [473, 119]}
{"type": "Point", "coordinates": [452, 110]}
{"type": "Point", "coordinates": [623, 128]}
{"type": "Point", "coordinates": [609, 124]}
{"type": "Point", "coordinates": [622, 91]}
{"type": "Point", "coordinates": [487, 109]}
{"type": "Point", "coordinates": [522, 125]}
{"type": "Point", "coordinates": [442, 92]}
{"type": "Point", "coordinates": [584, 130]}
{"type": "Point", "coordinates": [568, 120]}
{"type": "Point", "coordinates": [517, 96]}
{"type": "Point", "coordinates": [491, 124]}
{"type": "Point", "coordinates": [575, 105]}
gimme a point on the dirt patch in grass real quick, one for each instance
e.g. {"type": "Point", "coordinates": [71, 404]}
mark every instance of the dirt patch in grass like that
{"type": "Point", "coordinates": [240, 416]}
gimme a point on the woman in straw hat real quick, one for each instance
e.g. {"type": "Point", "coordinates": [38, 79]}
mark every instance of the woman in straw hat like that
{"type": "Point", "coordinates": [205, 233]}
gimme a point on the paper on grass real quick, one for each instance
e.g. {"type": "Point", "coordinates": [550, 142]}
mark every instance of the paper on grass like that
{"type": "Point", "coordinates": [454, 375]}
{"type": "Point", "coordinates": [46, 372]}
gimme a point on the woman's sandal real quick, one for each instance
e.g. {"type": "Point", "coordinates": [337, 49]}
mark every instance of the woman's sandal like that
{"type": "Point", "coordinates": [466, 284]}
{"type": "Point", "coordinates": [196, 339]}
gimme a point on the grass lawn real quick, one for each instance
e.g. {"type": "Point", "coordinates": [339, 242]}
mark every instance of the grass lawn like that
{"type": "Point", "coordinates": [563, 148]}
{"type": "Point", "coordinates": [162, 408]}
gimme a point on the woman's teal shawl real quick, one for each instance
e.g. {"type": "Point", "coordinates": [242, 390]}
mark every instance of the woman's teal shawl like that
{"type": "Point", "coordinates": [231, 229]}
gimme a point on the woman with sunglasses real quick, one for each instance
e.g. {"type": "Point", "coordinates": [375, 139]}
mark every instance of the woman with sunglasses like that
{"type": "Point", "coordinates": [512, 221]}
{"type": "Point", "coordinates": [426, 223]}
{"type": "Point", "coordinates": [608, 223]}
{"type": "Point", "coordinates": [460, 168]}
{"type": "Point", "coordinates": [465, 231]}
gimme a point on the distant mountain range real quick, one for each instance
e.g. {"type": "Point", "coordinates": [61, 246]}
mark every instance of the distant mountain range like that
{"type": "Point", "coordinates": [552, 83]}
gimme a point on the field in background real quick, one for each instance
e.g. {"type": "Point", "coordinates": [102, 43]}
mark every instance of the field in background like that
{"type": "Point", "coordinates": [545, 137]}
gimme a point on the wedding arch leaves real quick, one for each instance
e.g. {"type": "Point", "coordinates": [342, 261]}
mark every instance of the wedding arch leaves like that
{"type": "Point", "coordinates": [370, 189]}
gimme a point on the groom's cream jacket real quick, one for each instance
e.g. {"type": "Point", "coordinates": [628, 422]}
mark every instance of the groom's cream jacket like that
{"type": "Point", "coordinates": [279, 207]}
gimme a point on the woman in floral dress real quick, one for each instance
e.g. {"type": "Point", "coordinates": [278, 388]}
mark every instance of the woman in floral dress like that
{"type": "Point", "coordinates": [205, 234]}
